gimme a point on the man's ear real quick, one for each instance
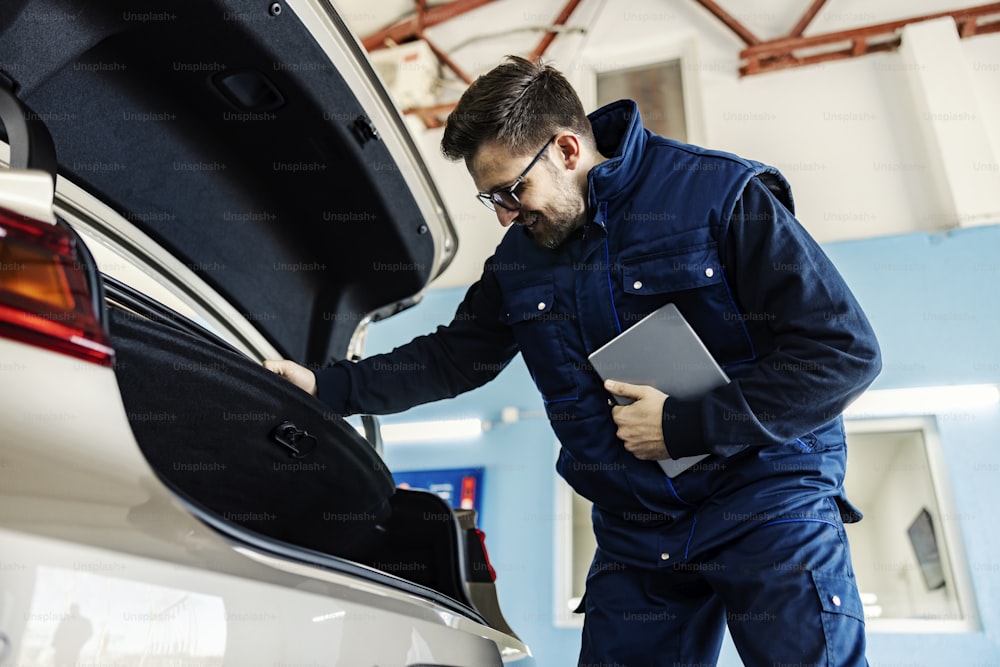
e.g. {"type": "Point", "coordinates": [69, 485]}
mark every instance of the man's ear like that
{"type": "Point", "coordinates": [570, 148]}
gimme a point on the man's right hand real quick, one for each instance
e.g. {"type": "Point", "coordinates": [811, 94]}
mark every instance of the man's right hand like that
{"type": "Point", "coordinates": [300, 376]}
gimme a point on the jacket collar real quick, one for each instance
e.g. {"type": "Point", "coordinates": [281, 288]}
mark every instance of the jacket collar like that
{"type": "Point", "coordinates": [622, 139]}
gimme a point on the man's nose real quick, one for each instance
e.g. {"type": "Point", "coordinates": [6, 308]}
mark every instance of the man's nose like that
{"type": "Point", "coordinates": [506, 216]}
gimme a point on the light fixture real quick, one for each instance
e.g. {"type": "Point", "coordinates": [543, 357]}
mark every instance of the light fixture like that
{"type": "Point", "coordinates": [923, 400]}
{"type": "Point", "coordinates": [447, 429]}
{"type": "Point", "coordinates": [430, 431]}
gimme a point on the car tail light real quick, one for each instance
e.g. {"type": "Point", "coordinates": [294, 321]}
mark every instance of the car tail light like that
{"type": "Point", "coordinates": [44, 295]}
{"type": "Point", "coordinates": [486, 555]}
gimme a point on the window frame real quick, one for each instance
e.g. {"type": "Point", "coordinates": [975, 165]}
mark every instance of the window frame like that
{"type": "Point", "coordinates": [951, 543]}
{"type": "Point", "coordinates": [563, 555]}
{"type": "Point", "coordinates": [683, 48]}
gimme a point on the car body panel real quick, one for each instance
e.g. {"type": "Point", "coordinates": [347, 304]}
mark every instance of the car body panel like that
{"type": "Point", "coordinates": [145, 611]}
{"type": "Point", "coordinates": [84, 520]}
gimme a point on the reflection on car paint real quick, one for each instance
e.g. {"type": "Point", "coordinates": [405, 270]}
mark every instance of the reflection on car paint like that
{"type": "Point", "coordinates": [81, 617]}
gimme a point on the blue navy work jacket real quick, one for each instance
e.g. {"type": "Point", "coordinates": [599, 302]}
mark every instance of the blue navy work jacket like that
{"type": "Point", "coordinates": [715, 234]}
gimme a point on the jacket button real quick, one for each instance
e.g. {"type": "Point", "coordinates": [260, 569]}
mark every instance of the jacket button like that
{"type": "Point", "coordinates": [637, 284]}
{"type": "Point", "coordinates": [835, 600]}
{"type": "Point", "coordinates": [541, 305]}
{"type": "Point", "coordinates": [664, 556]}
{"type": "Point", "coordinates": [709, 272]}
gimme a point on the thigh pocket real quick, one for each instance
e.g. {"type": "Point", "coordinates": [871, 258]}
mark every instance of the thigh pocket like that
{"type": "Point", "coordinates": [843, 618]}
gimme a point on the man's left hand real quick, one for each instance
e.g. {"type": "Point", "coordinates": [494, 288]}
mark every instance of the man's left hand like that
{"type": "Point", "coordinates": [640, 425]}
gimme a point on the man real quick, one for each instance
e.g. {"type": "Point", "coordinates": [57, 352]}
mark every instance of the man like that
{"type": "Point", "coordinates": [611, 222]}
{"type": "Point", "coordinates": [72, 633]}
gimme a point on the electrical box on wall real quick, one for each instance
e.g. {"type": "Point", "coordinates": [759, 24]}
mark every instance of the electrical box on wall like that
{"type": "Point", "coordinates": [409, 72]}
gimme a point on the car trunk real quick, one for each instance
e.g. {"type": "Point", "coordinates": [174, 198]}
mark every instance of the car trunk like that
{"type": "Point", "coordinates": [243, 445]}
{"type": "Point", "coordinates": [256, 149]}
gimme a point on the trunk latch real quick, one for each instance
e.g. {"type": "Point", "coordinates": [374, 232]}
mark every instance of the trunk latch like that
{"type": "Point", "coordinates": [301, 443]}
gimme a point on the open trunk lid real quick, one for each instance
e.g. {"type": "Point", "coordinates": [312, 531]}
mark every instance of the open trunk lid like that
{"type": "Point", "coordinates": [251, 140]}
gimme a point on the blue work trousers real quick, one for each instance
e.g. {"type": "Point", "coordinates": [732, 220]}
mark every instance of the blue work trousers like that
{"type": "Point", "coordinates": [786, 590]}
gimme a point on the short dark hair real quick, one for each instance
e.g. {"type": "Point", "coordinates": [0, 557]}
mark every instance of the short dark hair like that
{"type": "Point", "coordinates": [518, 103]}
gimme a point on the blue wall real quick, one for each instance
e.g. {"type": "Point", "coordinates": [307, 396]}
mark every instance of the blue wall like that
{"type": "Point", "coordinates": [934, 300]}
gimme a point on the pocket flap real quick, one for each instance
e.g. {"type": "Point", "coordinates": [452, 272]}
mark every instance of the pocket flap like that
{"type": "Point", "coordinates": [839, 595]}
{"type": "Point", "coordinates": [528, 303]}
{"type": "Point", "coordinates": [672, 271]}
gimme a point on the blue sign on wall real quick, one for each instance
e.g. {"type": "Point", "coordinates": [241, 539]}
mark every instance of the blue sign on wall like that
{"type": "Point", "coordinates": [461, 487]}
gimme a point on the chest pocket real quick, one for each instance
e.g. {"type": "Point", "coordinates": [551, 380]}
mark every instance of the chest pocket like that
{"type": "Point", "coordinates": [540, 330]}
{"type": "Point", "coordinates": [693, 279]}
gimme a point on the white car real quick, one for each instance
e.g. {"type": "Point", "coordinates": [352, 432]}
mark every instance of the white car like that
{"type": "Point", "coordinates": [233, 185]}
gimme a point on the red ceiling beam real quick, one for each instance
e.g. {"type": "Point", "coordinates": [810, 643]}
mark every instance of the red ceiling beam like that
{"type": "Point", "coordinates": [414, 26]}
{"type": "Point", "coordinates": [448, 62]}
{"type": "Point", "coordinates": [741, 30]}
{"type": "Point", "coordinates": [433, 116]}
{"type": "Point", "coordinates": [780, 53]}
{"type": "Point", "coordinates": [551, 34]}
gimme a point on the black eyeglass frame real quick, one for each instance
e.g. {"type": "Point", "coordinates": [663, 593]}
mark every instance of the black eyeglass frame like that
{"type": "Point", "coordinates": [496, 198]}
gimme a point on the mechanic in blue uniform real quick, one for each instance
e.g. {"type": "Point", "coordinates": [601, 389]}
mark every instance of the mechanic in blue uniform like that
{"type": "Point", "coordinates": [608, 222]}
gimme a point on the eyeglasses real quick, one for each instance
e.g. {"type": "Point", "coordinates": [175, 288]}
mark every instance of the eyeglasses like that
{"type": "Point", "coordinates": [505, 197]}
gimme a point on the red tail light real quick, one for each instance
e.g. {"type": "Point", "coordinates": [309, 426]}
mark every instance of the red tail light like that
{"type": "Point", "coordinates": [44, 298]}
{"type": "Point", "coordinates": [486, 555]}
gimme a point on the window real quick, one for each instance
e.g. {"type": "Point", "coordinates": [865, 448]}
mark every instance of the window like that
{"type": "Point", "coordinates": [906, 551]}
{"type": "Point", "coordinates": [574, 550]}
{"type": "Point", "coordinates": [663, 79]}
{"type": "Point", "coordinates": [656, 88]}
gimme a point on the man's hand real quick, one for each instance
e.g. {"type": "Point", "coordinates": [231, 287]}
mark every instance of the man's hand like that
{"type": "Point", "coordinates": [640, 425]}
{"type": "Point", "coordinates": [300, 376]}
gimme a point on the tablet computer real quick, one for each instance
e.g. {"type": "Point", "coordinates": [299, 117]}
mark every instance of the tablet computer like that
{"type": "Point", "coordinates": [663, 351]}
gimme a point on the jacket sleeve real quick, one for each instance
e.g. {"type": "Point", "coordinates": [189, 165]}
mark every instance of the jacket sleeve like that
{"type": "Point", "coordinates": [824, 355]}
{"type": "Point", "coordinates": [467, 353]}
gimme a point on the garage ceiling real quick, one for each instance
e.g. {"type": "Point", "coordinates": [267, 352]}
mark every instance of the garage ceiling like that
{"type": "Point", "coordinates": [774, 37]}
{"type": "Point", "coordinates": [473, 41]}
